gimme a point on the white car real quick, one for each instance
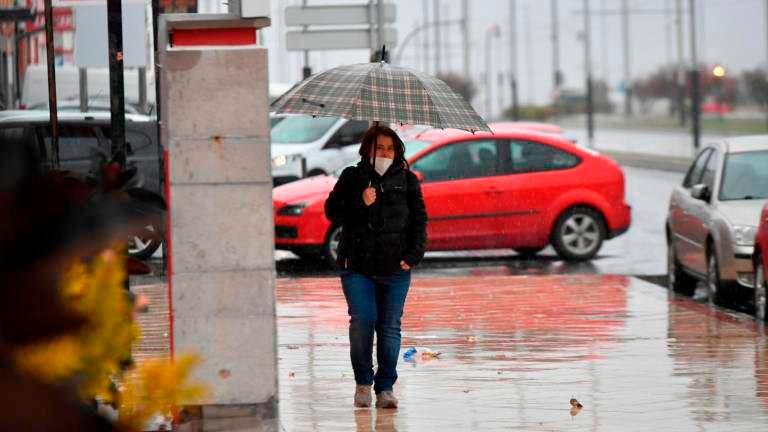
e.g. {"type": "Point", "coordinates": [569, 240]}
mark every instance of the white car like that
{"type": "Point", "coordinates": [305, 146]}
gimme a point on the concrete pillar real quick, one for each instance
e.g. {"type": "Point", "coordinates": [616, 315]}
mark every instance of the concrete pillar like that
{"type": "Point", "coordinates": [216, 132]}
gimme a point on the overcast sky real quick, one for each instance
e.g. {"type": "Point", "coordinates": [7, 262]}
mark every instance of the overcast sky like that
{"type": "Point", "coordinates": [730, 32]}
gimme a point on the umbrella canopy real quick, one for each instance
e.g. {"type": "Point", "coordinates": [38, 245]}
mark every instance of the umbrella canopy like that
{"type": "Point", "coordinates": [381, 92]}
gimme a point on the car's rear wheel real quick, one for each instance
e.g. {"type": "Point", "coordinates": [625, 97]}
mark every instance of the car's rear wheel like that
{"type": "Point", "coordinates": [145, 243]}
{"type": "Point", "coordinates": [331, 246]}
{"type": "Point", "coordinates": [528, 253]}
{"type": "Point", "coordinates": [579, 234]}
{"type": "Point", "coordinates": [761, 285]}
{"type": "Point", "coordinates": [678, 280]}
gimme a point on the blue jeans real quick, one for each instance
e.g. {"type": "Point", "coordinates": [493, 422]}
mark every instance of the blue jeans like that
{"type": "Point", "coordinates": [375, 303]}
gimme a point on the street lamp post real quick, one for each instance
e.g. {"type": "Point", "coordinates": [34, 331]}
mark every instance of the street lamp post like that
{"type": "Point", "coordinates": [492, 31]}
{"type": "Point", "coordinates": [695, 81]}
{"type": "Point", "coordinates": [513, 58]}
{"type": "Point", "coordinates": [588, 72]}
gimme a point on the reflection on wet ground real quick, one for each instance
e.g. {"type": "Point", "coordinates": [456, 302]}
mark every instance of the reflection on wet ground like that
{"type": "Point", "coordinates": [517, 348]}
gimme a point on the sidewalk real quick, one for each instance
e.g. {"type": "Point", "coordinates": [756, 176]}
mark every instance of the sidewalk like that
{"type": "Point", "coordinates": [516, 349]}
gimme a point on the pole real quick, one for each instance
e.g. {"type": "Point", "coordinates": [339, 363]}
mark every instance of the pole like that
{"type": "Point", "coordinates": [16, 65]}
{"type": "Point", "coordinates": [465, 32]}
{"type": "Point", "coordinates": [604, 43]}
{"type": "Point", "coordinates": [436, 12]}
{"type": "Point", "coordinates": [513, 58]}
{"type": "Point", "coordinates": [143, 89]}
{"type": "Point", "coordinates": [766, 70]}
{"type": "Point", "coordinates": [488, 35]}
{"type": "Point", "coordinates": [626, 43]}
{"type": "Point", "coordinates": [680, 81]}
{"type": "Point", "coordinates": [158, 128]}
{"type": "Point", "coordinates": [116, 90]}
{"type": "Point", "coordinates": [425, 8]}
{"type": "Point", "coordinates": [588, 72]}
{"type": "Point", "coordinates": [83, 79]}
{"type": "Point", "coordinates": [306, 71]}
{"type": "Point", "coordinates": [379, 27]}
{"type": "Point", "coordinates": [52, 102]}
{"type": "Point", "coordinates": [556, 79]}
{"type": "Point", "coordinates": [695, 81]}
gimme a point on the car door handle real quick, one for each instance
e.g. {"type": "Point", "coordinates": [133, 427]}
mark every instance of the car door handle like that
{"type": "Point", "coordinates": [493, 191]}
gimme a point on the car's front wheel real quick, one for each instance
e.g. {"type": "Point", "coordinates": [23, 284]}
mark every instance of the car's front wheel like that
{"type": "Point", "coordinates": [715, 289]}
{"type": "Point", "coordinates": [678, 280]}
{"type": "Point", "coordinates": [331, 246]}
{"type": "Point", "coordinates": [579, 234]}
{"type": "Point", "coordinates": [761, 285]}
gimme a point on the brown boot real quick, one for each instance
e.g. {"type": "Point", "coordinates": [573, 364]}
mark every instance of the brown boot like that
{"type": "Point", "coordinates": [386, 399]}
{"type": "Point", "coordinates": [363, 396]}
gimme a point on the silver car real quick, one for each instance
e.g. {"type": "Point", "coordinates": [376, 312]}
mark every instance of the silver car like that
{"type": "Point", "coordinates": [713, 218]}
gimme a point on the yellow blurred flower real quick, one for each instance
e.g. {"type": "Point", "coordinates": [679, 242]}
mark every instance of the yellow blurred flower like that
{"type": "Point", "coordinates": [157, 386]}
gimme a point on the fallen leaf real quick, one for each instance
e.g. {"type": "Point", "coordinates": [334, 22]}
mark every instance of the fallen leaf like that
{"type": "Point", "coordinates": [292, 347]}
{"type": "Point", "coordinates": [575, 410]}
{"type": "Point", "coordinates": [292, 374]}
{"type": "Point", "coordinates": [576, 404]}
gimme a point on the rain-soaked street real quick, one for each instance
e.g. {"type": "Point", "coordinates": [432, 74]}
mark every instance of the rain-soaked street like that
{"type": "Point", "coordinates": [515, 349]}
{"type": "Point", "coordinates": [519, 338]}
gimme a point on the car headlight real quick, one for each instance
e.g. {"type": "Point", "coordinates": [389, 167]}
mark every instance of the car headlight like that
{"type": "Point", "coordinates": [744, 235]}
{"type": "Point", "coordinates": [283, 160]}
{"type": "Point", "coordinates": [292, 210]}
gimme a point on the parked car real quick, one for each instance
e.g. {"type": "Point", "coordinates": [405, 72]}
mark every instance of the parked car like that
{"type": "Point", "coordinates": [760, 262]}
{"type": "Point", "coordinates": [101, 103]}
{"type": "Point", "coordinates": [514, 189]}
{"type": "Point", "coordinates": [84, 142]}
{"type": "Point", "coordinates": [305, 146]}
{"type": "Point", "coordinates": [713, 215]}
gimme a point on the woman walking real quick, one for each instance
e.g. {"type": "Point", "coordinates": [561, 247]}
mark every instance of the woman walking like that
{"type": "Point", "coordinates": [379, 205]}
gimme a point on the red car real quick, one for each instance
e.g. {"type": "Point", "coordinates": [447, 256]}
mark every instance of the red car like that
{"type": "Point", "coordinates": [513, 189]}
{"type": "Point", "coordinates": [761, 263]}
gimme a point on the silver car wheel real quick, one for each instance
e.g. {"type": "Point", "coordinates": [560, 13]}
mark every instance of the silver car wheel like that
{"type": "Point", "coordinates": [760, 293]}
{"type": "Point", "coordinates": [671, 266]}
{"type": "Point", "coordinates": [581, 234]}
{"type": "Point", "coordinates": [136, 244]}
{"type": "Point", "coordinates": [333, 243]}
{"type": "Point", "coordinates": [712, 279]}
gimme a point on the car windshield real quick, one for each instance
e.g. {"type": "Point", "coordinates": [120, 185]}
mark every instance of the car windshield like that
{"type": "Point", "coordinates": [745, 176]}
{"type": "Point", "coordinates": [411, 148]}
{"type": "Point", "coordinates": [301, 129]}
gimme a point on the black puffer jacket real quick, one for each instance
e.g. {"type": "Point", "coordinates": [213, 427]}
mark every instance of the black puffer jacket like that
{"type": "Point", "coordinates": [376, 238]}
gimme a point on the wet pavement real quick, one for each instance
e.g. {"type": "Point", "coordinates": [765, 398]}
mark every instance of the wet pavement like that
{"type": "Point", "coordinates": [517, 348]}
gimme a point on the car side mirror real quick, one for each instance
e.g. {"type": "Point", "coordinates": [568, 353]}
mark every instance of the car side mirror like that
{"type": "Point", "coordinates": [701, 192]}
{"type": "Point", "coordinates": [419, 175]}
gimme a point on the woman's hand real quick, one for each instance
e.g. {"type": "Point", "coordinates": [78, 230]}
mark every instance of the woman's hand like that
{"type": "Point", "coordinates": [404, 265]}
{"type": "Point", "coordinates": [369, 195]}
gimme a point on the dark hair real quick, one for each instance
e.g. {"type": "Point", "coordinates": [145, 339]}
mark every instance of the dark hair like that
{"type": "Point", "coordinates": [369, 143]}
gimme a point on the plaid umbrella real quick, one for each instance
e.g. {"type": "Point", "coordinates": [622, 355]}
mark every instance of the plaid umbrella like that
{"type": "Point", "coordinates": [380, 92]}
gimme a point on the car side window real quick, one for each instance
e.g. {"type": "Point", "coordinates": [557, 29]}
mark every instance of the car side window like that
{"type": "Point", "coordinates": [352, 132]}
{"type": "Point", "coordinates": [468, 159]}
{"type": "Point", "coordinates": [710, 170]}
{"type": "Point", "coordinates": [528, 156]}
{"type": "Point", "coordinates": [76, 143]}
{"type": "Point", "coordinates": [697, 169]}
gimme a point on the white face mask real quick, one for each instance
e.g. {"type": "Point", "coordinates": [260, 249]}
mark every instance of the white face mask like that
{"type": "Point", "coordinates": [382, 165]}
